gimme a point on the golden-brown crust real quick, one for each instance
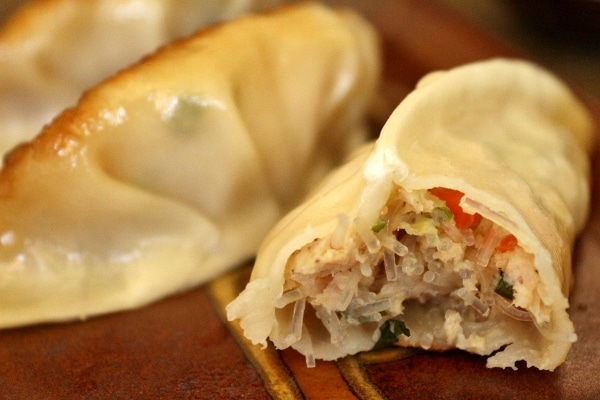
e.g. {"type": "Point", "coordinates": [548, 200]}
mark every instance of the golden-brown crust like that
{"type": "Point", "coordinates": [66, 128]}
{"type": "Point", "coordinates": [98, 180]}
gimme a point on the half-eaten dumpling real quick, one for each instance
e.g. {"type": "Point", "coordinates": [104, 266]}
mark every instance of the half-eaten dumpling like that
{"type": "Point", "coordinates": [174, 170]}
{"type": "Point", "coordinates": [454, 230]}
{"type": "Point", "coordinates": [51, 51]}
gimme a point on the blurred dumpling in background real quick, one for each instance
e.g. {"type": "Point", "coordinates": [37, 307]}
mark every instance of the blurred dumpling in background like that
{"type": "Point", "coordinates": [53, 50]}
{"type": "Point", "coordinates": [173, 170]}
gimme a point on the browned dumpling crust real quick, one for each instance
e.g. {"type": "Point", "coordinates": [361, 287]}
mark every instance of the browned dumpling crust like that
{"type": "Point", "coordinates": [51, 51]}
{"type": "Point", "coordinates": [173, 170]}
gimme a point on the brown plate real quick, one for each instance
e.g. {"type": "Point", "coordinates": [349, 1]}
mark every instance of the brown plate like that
{"type": "Point", "coordinates": [182, 348]}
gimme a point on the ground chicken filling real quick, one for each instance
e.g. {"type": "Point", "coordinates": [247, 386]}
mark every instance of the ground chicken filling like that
{"type": "Point", "coordinates": [423, 250]}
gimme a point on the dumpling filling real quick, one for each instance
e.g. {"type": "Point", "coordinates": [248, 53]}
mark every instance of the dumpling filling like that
{"type": "Point", "coordinates": [424, 274]}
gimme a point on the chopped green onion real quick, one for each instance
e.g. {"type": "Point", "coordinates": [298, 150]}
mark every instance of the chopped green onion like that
{"type": "Point", "coordinates": [390, 331]}
{"type": "Point", "coordinates": [446, 212]}
{"type": "Point", "coordinates": [187, 113]}
{"type": "Point", "coordinates": [440, 214]}
{"type": "Point", "coordinates": [503, 288]}
{"type": "Point", "coordinates": [381, 223]}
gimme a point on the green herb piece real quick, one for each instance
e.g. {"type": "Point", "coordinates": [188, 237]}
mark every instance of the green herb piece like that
{"type": "Point", "coordinates": [390, 331]}
{"type": "Point", "coordinates": [381, 223]}
{"type": "Point", "coordinates": [503, 288]}
{"type": "Point", "coordinates": [186, 115]}
{"type": "Point", "coordinates": [445, 212]}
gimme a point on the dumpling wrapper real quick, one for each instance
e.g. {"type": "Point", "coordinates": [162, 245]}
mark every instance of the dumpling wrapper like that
{"type": "Point", "coordinates": [173, 171]}
{"type": "Point", "coordinates": [378, 241]}
{"type": "Point", "coordinates": [51, 51]}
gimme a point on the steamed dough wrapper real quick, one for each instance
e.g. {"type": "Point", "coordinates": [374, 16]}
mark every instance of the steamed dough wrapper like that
{"type": "Point", "coordinates": [53, 50]}
{"type": "Point", "coordinates": [174, 170]}
{"type": "Point", "coordinates": [453, 230]}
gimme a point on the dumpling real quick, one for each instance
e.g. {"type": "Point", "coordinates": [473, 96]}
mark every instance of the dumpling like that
{"type": "Point", "coordinates": [453, 230]}
{"type": "Point", "coordinates": [51, 51]}
{"type": "Point", "coordinates": [173, 171]}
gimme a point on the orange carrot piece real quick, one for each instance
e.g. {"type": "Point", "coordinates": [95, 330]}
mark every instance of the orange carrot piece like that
{"type": "Point", "coordinates": [508, 243]}
{"type": "Point", "coordinates": [452, 199]}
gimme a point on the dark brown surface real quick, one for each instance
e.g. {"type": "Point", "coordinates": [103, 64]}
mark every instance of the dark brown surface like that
{"type": "Point", "coordinates": [573, 20]}
{"type": "Point", "coordinates": [179, 348]}
{"type": "Point", "coordinates": [176, 347]}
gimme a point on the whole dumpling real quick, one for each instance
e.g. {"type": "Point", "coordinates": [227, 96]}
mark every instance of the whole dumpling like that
{"type": "Point", "coordinates": [51, 51]}
{"type": "Point", "coordinates": [173, 170]}
{"type": "Point", "coordinates": [453, 230]}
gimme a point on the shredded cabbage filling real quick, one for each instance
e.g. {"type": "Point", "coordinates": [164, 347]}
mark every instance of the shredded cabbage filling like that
{"type": "Point", "coordinates": [419, 254]}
